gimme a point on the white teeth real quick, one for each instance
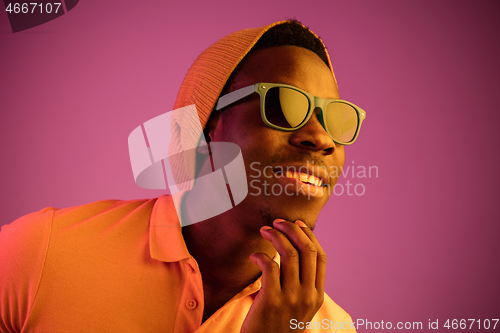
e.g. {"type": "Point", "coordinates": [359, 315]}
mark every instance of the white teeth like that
{"type": "Point", "coordinates": [304, 177]}
{"type": "Point", "coordinates": [315, 180]}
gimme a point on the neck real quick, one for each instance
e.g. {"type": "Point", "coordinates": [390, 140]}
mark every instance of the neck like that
{"type": "Point", "coordinates": [222, 246]}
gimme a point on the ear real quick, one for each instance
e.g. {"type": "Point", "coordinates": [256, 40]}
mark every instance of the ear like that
{"type": "Point", "coordinates": [212, 125]}
{"type": "Point", "coordinates": [208, 132]}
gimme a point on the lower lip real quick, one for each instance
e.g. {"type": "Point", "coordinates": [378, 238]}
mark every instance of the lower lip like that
{"type": "Point", "coordinates": [292, 186]}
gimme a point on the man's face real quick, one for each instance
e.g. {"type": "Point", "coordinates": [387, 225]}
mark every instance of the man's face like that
{"type": "Point", "coordinates": [268, 153]}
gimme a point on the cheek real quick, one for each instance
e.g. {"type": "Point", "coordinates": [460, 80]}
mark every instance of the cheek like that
{"type": "Point", "coordinates": [244, 127]}
{"type": "Point", "coordinates": [257, 142]}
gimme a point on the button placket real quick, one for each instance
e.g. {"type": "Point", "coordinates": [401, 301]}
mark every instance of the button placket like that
{"type": "Point", "coordinates": [191, 304]}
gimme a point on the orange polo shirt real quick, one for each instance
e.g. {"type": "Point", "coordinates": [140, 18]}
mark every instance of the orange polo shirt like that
{"type": "Point", "coordinates": [115, 266]}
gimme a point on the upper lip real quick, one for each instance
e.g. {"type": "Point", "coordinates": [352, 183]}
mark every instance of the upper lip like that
{"type": "Point", "coordinates": [314, 170]}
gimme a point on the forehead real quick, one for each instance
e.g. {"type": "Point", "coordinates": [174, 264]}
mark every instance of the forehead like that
{"type": "Point", "coordinates": [292, 65]}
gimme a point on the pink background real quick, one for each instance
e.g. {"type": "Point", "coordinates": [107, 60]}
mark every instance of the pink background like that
{"type": "Point", "coordinates": [421, 243]}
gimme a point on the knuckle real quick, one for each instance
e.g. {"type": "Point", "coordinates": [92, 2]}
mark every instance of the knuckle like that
{"type": "Point", "coordinates": [292, 254]}
{"type": "Point", "coordinates": [309, 301]}
{"type": "Point", "coordinates": [313, 301]}
{"type": "Point", "coordinates": [311, 249]}
{"type": "Point", "coordinates": [322, 257]}
{"type": "Point", "coordinates": [292, 299]}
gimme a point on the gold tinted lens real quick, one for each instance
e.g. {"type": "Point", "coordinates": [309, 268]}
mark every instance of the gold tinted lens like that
{"type": "Point", "coordinates": [341, 121]}
{"type": "Point", "coordinates": [285, 107]}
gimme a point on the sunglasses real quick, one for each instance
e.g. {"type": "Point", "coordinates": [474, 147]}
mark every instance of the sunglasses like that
{"type": "Point", "coordinates": [288, 108]}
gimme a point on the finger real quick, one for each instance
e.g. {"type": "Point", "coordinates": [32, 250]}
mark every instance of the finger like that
{"type": "Point", "coordinates": [320, 257]}
{"type": "Point", "coordinates": [270, 272]}
{"type": "Point", "coordinates": [289, 258]}
{"type": "Point", "coordinates": [306, 250]}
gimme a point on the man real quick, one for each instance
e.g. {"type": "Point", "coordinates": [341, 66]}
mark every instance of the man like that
{"type": "Point", "coordinates": [130, 267]}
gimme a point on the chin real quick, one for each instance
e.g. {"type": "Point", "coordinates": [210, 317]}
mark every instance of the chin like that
{"type": "Point", "coordinates": [291, 211]}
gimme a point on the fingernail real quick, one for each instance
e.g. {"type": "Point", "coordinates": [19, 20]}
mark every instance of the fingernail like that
{"type": "Point", "coordinates": [300, 224]}
{"type": "Point", "coordinates": [266, 228]}
{"type": "Point", "coordinates": [279, 220]}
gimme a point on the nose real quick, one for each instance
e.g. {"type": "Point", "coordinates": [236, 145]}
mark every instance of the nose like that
{"type": "Point", "coordinates": [312, 136]}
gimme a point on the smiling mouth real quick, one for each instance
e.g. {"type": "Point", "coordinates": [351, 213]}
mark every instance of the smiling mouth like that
{"type": "Point", "coordinates": [301, 177]}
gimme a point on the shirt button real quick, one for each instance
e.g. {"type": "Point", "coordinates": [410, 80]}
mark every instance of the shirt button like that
{"type": "Point", "coordinates": [191, 304]}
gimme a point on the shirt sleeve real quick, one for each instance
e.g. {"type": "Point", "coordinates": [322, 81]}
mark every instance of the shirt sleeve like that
{"type": "Point", "coordinates": [23, 248]}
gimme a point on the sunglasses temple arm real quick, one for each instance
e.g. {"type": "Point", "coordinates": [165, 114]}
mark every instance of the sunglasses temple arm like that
{"type": "Point", "coordinates": [234, 96]}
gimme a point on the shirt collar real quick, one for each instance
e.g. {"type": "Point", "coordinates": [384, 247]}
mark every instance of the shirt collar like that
{"type": "Point", "coordinates": [165, 234]}
{"type": "Point", "coordinates": [166, 242]}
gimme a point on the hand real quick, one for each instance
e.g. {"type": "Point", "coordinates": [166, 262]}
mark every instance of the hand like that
{"type": "Point", "coordinates": [294, 290]}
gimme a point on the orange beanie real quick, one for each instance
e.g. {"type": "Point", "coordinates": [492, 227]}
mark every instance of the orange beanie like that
{"type": "Point", "coordinates": [209, 73]}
